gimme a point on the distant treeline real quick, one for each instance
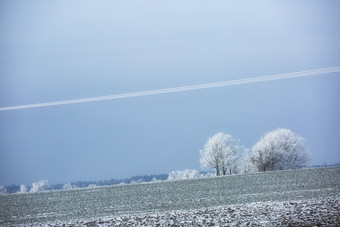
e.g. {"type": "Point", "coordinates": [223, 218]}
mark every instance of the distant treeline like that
{"type": "Point", "coordinates": [84, 184]}
{"type": "Point", "coordinates": [326, 165]}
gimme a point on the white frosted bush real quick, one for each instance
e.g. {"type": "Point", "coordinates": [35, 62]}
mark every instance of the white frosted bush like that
{"type": "Point", "coordinates": [39, 186]}
{"type": "Point", "coordinates": [183, 174]}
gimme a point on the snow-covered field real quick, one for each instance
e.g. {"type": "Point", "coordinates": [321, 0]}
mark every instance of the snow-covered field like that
{"type": "Point", "coordinates": [319, 212]}
{"type": "Point", "coordinates": [308, 196]}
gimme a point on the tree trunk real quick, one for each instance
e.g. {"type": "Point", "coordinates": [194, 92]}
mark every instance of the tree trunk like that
{"type": "Point", "coordinates": [224, 171]}
{"type": "Point", "coordinates": [217, 171]}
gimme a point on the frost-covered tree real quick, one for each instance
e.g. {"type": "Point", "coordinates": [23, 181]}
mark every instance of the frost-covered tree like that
{"type": "Point", "coordinates": [3, 189]}
{"type": "Point", "coordinates": [247, 165]}
{"type": "Point", "coordinates": [68, 186]}
{"type": "Point", "coordinates": [279, 149]}
{"type": "Point", "coordinates": [221, 152]}
{"type": "Point", "coordinates": [23, 189]}
{"type": "Point", "coordinates": [39, 186]}
{"type": "Point", "coordinates": [185, 174]}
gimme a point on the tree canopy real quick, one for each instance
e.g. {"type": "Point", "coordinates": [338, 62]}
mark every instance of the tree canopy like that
{"type": "Point", "coordinates": [221, 152]}
{"type": "Point", "coordinates": [279, 149]}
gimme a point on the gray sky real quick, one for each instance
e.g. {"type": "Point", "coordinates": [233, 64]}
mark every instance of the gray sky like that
{"type": "Point", "coordinates": [60, 50]}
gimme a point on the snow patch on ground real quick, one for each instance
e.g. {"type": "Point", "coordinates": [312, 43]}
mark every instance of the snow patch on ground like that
{"type": "Point", "coordinates": [314, 212]}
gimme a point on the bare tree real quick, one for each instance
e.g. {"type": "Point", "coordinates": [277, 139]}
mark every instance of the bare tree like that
{"type": "Point", "coordinates": [279, 149]}
{"type": "Point", "coordinates": [221, 152]}
{"type": "Point", "coordinates": [246, 162]}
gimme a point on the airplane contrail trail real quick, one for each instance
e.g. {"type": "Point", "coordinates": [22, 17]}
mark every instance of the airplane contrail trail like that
{"type": "Point", "coordinates": [179, 89]}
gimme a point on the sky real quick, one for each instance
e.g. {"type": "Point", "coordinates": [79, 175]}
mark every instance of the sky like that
{"type": "Point", "coordinates": [61, 50]}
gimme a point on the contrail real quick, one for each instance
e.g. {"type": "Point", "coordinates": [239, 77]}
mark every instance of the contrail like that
{"type": "Point", "coordinates": [180, 89]}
